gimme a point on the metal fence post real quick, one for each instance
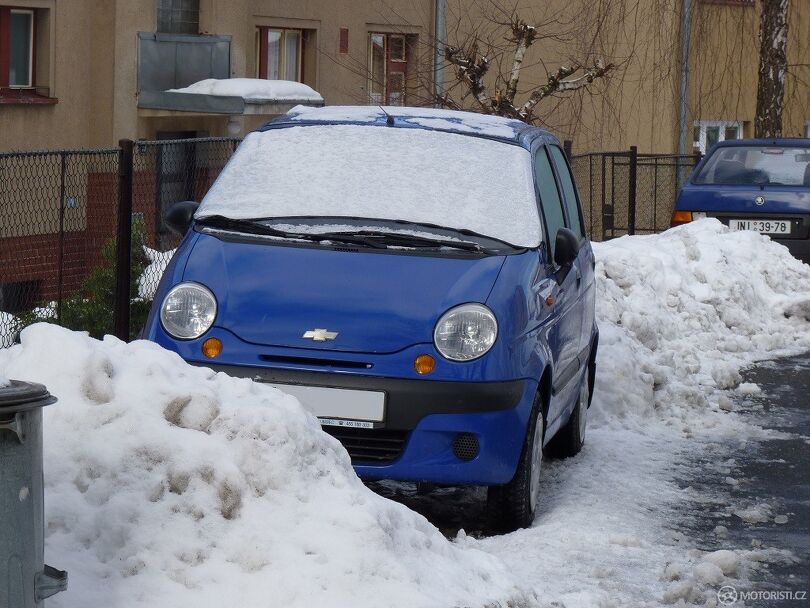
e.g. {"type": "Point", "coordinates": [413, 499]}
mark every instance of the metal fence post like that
{"type": "Point", "coordinates": [631, 190]}
{"type": "Point", "coordinates": [123, 266]}
{"type": "Point", "coordinates": [568, 146]}
{"type": "Point", "coordinates": [61, 271]}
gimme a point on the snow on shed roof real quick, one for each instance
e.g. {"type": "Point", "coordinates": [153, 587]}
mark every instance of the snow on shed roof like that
{"type": "Point", "coordinates": [431, 118]}
{"type": "Point", "coordinates": [253, 89]}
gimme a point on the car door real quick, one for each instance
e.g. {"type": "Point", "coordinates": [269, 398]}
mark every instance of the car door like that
{"type": "Point", "coordinates": [565, 324]}
{"type": "Point", "coordinates": [586, 262]}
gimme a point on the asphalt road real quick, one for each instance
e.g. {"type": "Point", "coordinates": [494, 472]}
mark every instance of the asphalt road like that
{"type": "Point", "coordinates": [773, 472]}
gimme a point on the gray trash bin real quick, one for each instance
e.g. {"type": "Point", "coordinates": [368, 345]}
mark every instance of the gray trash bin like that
{"type": "Point", "coordinates": [25, 580]}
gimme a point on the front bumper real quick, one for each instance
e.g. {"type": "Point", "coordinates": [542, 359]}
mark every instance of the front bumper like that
{"type": "Point", "coordinates": [422, 420]}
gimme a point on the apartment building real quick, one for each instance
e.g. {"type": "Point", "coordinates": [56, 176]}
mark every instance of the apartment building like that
{"type": "Point", "coordinates": [85, 73]}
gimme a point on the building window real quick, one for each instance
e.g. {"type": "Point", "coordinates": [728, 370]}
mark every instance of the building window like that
{"type": "Point", "coordinates": [178, 17]}
{"type": "Point", "coordinates": [280, 53]}
{"type": "Point", "coordinates": [708, 132]}
{"type": "Point", "coordinates": [16, 48]}
{"type": "Point", "coordinates": [388, 68]}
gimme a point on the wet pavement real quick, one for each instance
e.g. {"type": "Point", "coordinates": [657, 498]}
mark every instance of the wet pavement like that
{"type": "Point", "coordinates": [764, 503]}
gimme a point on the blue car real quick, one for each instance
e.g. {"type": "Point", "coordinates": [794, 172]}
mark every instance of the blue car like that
{"type": "Point", "coordinates": [754, 184]}
{"type": "Point", "coordinates": [419, 279]}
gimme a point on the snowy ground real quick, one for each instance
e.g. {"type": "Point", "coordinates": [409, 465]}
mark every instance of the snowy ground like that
{"type": "Point", "coordinates": [196, 489]}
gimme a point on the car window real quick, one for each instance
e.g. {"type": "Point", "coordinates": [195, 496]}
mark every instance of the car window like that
{"type": "Point", "coordinates": [569, 191]}
{"type": "Point", "coordinates": [549, 197]}
{"type": "Point", "coordinates": [760, 165]}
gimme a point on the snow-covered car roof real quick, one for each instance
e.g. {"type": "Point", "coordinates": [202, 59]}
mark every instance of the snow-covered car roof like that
{"type": "Point", "coordinates": [468, 123]}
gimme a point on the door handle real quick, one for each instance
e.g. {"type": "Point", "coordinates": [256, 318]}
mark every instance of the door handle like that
{"type": "Point", "coordinates": [579, 277]}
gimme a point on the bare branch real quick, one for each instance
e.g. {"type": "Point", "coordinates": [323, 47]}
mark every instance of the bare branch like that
{"type": "Point", "coordinates": [523, 36]}
{"type": "Point", "coordinates": [471, 70]}
{"type": "Point", "coordinates": [558, 83]}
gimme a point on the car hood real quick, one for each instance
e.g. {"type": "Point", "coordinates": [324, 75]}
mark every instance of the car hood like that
{"type": "Point", "coordinates": [272, 294]}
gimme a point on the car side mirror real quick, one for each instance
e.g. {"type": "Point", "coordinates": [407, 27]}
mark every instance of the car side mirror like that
{"type": "Point", "coordinates": [179, 215]}
{"type": "Point", "coordinates": [566, 248]}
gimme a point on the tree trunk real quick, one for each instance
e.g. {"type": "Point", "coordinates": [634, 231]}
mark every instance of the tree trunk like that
{"type": "Point", "coordinates": [773, 29]}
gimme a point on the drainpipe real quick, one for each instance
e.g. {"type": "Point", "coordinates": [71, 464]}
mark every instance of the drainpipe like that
{"type": "Point", "coordinates": [683, 110]}
{"type": "Point", "coordinates": [438, 57]}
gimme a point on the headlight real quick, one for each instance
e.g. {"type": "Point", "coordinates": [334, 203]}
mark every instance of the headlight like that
{"type": "Point", "coordinates": [188, 311]}
{"type": "Point", "coordinates": [465, 332]}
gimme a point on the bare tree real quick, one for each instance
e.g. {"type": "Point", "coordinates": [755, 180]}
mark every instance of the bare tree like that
{"type": "Point", "coordinates": [472, 69]}
{"type": "Point", "coordinates": [773, 66]}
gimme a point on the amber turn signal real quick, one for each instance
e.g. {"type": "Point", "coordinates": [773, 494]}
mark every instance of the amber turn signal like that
{"type": "Point", "coordinates": [680, 217]}
{"type": "Point", "coordinates": [212, 347]}
{"type": "Point", "coordinates": [424, 364]}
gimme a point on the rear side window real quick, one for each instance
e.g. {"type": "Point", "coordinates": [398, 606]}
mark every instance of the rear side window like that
{"type": "Point", "coordinates": [549, 197]}
{"type": "Point", "coordinates": [567, 183]}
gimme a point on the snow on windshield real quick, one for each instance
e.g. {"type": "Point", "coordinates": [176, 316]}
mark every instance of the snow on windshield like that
{"type": "Point", "coordinates": [383, 173]}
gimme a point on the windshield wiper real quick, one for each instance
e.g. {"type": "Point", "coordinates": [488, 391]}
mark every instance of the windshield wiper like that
{"type": "Point", "coordinates": [258, 227]}
{"type": "Point", "coordinates": [408, 240]}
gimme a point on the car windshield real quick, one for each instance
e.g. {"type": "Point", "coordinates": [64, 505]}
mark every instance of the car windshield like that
{"type": "Point", "coordinates": [757, 165]}
{"type": "Point", "coordinates": [376, 172]}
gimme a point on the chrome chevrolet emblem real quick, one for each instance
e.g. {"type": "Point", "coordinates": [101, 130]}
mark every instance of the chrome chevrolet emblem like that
{"type": "Point", "coordinates": [320, 335]}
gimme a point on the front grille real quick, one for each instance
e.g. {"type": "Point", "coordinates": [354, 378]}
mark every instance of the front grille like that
{"type": "Point", "coordinates": [370, 445]}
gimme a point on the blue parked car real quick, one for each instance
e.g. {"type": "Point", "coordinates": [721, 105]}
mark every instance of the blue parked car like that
{"type": "Point", "coordinates": [420, 279]}
{"type": "Point", "coordinates": [754, 184]}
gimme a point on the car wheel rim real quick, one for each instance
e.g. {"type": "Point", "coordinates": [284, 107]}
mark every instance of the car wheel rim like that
{"type": "Point", "coordinates": [537, 462]}
{"type": "Point", "coordinates": [583, 409]}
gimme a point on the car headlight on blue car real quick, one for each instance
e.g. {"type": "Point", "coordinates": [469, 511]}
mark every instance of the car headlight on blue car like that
{"type": "Point", "coordinates": [188, 311]}
{"type": "Point", "coordinates": [465, 332]}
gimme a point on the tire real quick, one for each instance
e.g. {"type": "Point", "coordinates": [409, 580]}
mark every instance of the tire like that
{"type": "Point", "coordinates": [569, 439]}
{"type": "Point", "coordinates": [513, 505]}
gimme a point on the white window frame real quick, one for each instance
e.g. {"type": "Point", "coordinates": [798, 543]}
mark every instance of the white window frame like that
{"type": "Point", "coordinates": [30, 84]}
{"type": "Point", "coordinates": [700, 144]}
{"type": "Point", "coordinates": [371, 82]}
{"type": "Point", "coordinates": [282, 50]}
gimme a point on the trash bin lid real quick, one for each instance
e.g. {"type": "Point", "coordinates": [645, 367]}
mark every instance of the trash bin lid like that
{"type": "Point", "coordinates": [20, 396]}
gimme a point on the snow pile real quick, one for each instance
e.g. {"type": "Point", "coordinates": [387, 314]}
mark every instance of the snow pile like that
{"type": "Point", "coordinates": [168, 485]}
{"type": "Point", "coordinates": [253, 89]}
{"type": "Point", "coordinates": [681, 313]}
{"type": "Point", "coordinates": [151, 275]}
{"type": "Point", "coordinates": [271, 175]}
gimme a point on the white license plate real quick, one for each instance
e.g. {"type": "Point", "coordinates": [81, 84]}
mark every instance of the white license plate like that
{"type": "Point", "coordinates": [339, 406]}
{"type": "Point", "coordinates": [763, 226]}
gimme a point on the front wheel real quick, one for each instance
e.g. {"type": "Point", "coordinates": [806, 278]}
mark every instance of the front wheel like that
{"type": "Point", "coordinates": [513, 505]}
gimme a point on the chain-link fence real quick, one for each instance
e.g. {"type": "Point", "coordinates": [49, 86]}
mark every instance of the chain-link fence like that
{"type": "Point", "coordinates": [629, 193]}
{"type": "Point", "coordinates": [61, 230]}
{"type": "Point", "coordinates": [166, 172]}
{"type": "Point", "coordinates": [57, 225]}
{"type": "Point", "coordinates": [83, 242]}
